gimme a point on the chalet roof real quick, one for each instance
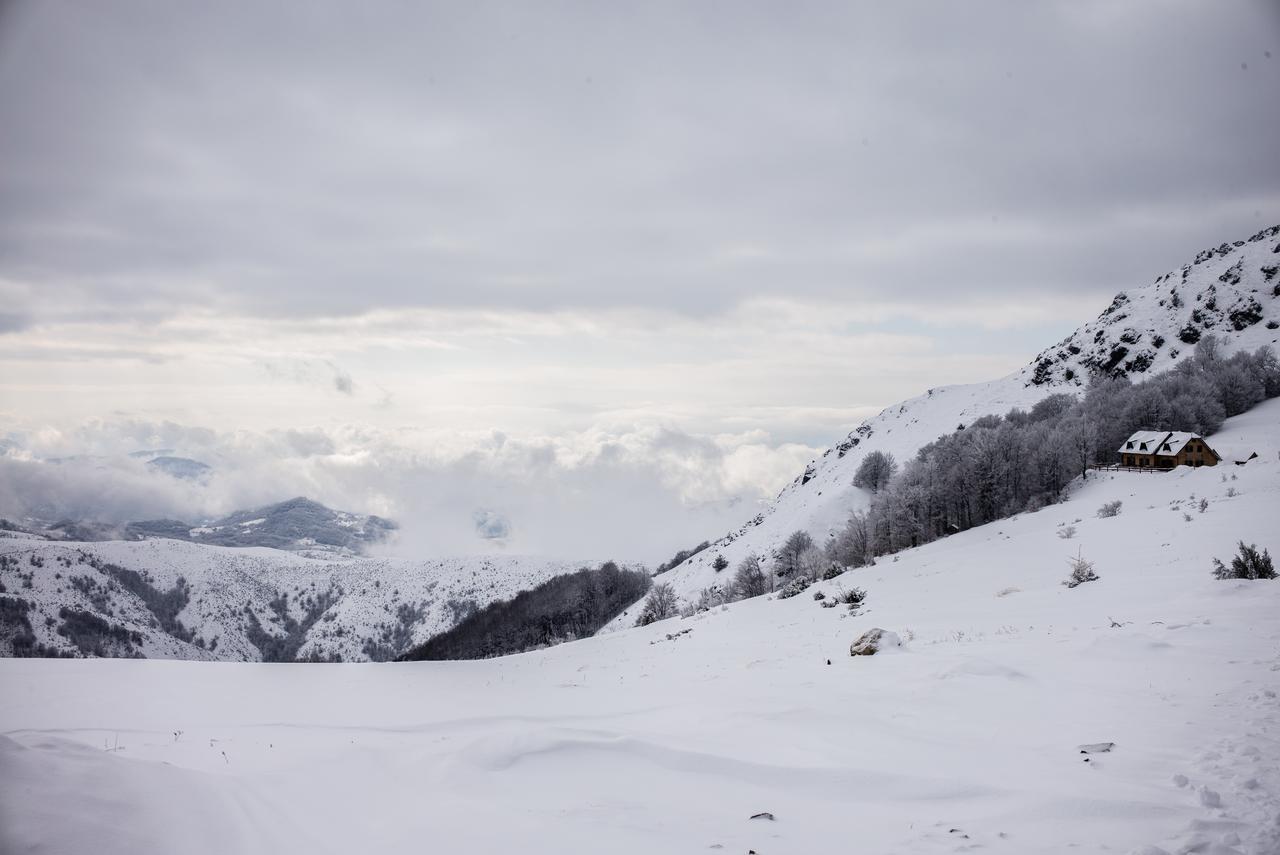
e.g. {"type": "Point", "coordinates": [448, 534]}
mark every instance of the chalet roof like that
{"type": "Point", "coordinates": [1174, 442]}
{"type": "Point", "coordinates": [1144, 442]}
{"type": "Point", "coordinates": [1161, 442]}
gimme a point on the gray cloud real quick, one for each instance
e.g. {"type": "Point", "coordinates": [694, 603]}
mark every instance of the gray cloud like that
{"type": "Point", "coordinates": [651, 242]}
{"type": "Point", "coordinates": [13, 321]}
{"type": "Point", "coordinates": [326, 159]}
{"type": "Point", "coordinates": [342, 381]}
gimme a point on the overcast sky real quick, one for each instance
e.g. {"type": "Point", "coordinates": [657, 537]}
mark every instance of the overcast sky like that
{"type": "Point", "coordinates": [749, 225]}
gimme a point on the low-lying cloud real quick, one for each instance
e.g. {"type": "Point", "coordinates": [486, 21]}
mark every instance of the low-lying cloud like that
{"type": "Point", "coordinates": [633, 493]}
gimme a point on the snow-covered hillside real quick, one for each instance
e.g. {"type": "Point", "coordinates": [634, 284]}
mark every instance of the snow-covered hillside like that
{"type": "Point", "coordinates": [670, 738]}
{"type": "Point", "coordinates": [239, 601]}
{"type": "Point", "coordinates": [1231, 291]}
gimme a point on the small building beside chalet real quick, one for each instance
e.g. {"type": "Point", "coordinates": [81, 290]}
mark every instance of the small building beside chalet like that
{"type": "Point", "coordinates": [1162, 449]}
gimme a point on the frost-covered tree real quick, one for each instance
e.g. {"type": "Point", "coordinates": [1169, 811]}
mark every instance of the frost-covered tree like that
{"type": "Point", "coordinates": [748, 580]}
{"type": "Point", "coordinates": [811, 563]}
{"type": "Point", "coordinates": [709, 598]}
{"type": "Point", "coordinates": [1052, 408]}
{"type": "Point", "coordinates": [1239, 389]}
{"type": "Point", "coordinates": [851, 547]}
{"type": "Point", "coordinates": [790, 553]}
{"type": "Point", "coordinates": [876, 471]}
{"type": "Point", "coordinates": [659, 605]}
{"type": "Point", "coordinates": [1148, 409]}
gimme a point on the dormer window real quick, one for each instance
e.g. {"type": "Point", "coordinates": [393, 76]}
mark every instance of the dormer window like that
{"type": "Point", "coordinates": [1129, 445]}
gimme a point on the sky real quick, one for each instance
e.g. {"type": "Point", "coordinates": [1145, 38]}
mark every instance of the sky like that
{"type": "Point", "coordinates": [428, 259]}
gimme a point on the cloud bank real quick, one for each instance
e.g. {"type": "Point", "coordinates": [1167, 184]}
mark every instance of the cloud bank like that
{"type": "Point", "coordinates": [634, 494]}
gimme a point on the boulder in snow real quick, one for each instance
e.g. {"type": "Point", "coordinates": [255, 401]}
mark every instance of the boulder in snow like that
{"type": "Point", "coordinates": [873, 641]}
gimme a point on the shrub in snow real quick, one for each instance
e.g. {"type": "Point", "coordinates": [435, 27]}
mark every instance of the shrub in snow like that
{"type": "Point", "coordinates": [720, 563]}
{"type": "Point", "coordinates": [1204, 505]}
{"type": "Point", "coordinates": [852, 598]}
{"type": "Point", "coordinates": [1081, 571]}
{"type": "Point", "coordinates": [1110, 509]}
{"type": "Point", "coordinates": [1247, 565]}
{"type": "Point", "coordinates": [1067, 532]}
{"type": "Point", "coordinates": [709, 598]}
{"type": "Point", "coordinates": [873, 641]}
{"type": "Point", "coordinates": [1232, 492]}
{"type": "Point", "coordinates": [659, 605]}
{"type": "Point", "coordinates": [818, 595]}
{"type": "Point", "coordinates": [831, 572]}
{"type": "Point", "coordinates": [795, 586]}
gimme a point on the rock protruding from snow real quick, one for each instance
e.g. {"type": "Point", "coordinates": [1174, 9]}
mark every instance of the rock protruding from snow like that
{"type": "Point", "coordinates": [1227, 290]}
{"type": "Point", "coordinates": [874, 641]}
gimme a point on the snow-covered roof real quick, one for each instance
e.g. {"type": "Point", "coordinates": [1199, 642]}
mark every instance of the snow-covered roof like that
{"type": "Point", "coordinates": [1174, 442]}
{"type": "Point", "coordinates": [1144, 442]}
{"type": "Point", "coordinates": [1162, 442]}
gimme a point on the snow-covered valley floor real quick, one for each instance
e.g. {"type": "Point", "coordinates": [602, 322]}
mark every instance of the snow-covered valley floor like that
{"type": "Point", "coordinates": [637, 742]}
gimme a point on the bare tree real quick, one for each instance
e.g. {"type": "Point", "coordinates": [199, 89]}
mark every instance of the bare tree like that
{"type": "Point", "coordinates": [790, 553]}
{"type": "Point", "coordinates": [659, 605]}
{"type": "Point", "coordinates": [749, 580]}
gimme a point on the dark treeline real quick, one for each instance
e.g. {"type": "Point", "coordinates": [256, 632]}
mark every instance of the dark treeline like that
{"type": "Point", "coordinates": [1000, 466]}
{"type": "Point", "coordinates": [680, 557]}
{"type": "Point", "coordinates": [571, 606]}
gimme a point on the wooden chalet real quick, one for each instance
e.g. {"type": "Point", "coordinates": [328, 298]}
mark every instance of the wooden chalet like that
{"type": "Point", "coordinates": [1162, 449]}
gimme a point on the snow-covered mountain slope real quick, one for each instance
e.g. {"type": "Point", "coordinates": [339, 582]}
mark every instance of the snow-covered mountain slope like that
{"type": "Point", "coordinates": [670, 738]}
{"type": "Point", "coordinates": [1231, 291]}
{"type": "Point", "coordinates": [299, 524]}
{"type": "Point", "coordinates": [238, 603]}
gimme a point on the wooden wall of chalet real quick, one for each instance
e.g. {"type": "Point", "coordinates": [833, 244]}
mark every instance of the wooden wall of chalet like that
{"type": "Point", "coordinates": [1196, 453]}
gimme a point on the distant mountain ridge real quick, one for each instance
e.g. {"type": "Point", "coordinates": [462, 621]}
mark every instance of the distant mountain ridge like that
{"type": "Point", "coordinates": [295, 524]}
{"type": "Point", "coordinates": [180, 467]}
